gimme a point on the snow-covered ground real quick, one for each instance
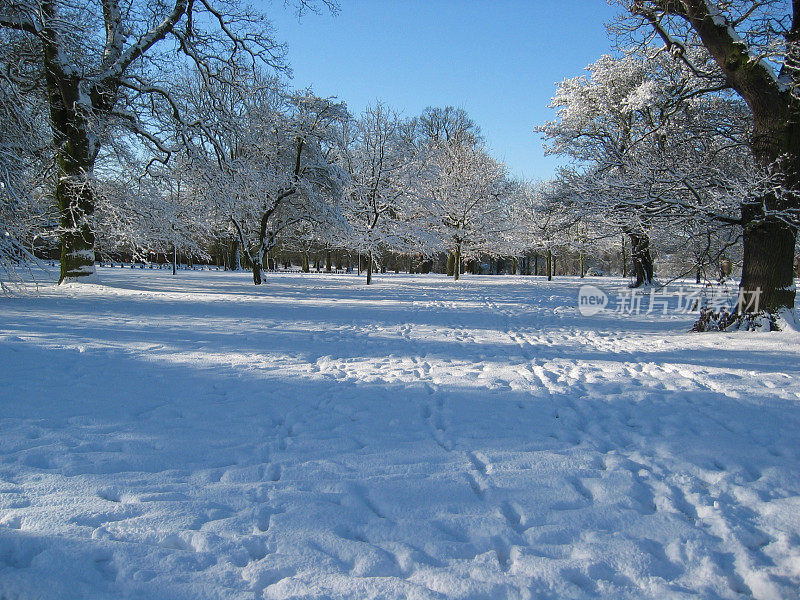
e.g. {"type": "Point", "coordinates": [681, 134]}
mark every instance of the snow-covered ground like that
{"type": "Point", "coordinates": [197, 437]}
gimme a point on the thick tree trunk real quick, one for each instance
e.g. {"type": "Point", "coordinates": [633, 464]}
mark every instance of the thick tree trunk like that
{"type": "Point", "coordinates": [236, 263]}
{"type": "Point", "coordinates": [328, 262]}
{"type": "Point", "coordinates": [768, 267]}
{"type": "Point", "coordinates": [76, 149]}
{"type": "Point", "coordinates": [549, 265]}
{"type": "Point", "coordinates": [76, 205]}
{"type": "Point", "coordinates": [642, 259]}
{"type": "Point", "coordinates": [457, 262]}
{"type": "Point", "coordinates": [769, 242]}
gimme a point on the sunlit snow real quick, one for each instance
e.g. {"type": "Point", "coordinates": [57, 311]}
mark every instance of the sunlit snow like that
{"type": "Point", "coordinates": [199, 437]}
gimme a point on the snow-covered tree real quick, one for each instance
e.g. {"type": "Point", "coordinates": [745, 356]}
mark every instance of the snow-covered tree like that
{"type": "Point", "coordinates": [262, 158]}
{"type": "Point", "coordinates": [25, 158]}
{"type": "Point", "coordinates": [378, 196]}
{"type": "Point", "coordinates": [104, 63]}
{"type": "Point", "coordinates": [465, 197]}
{"type": "Point", "coordinates": [650, 146]}
{"type": "Point", "coordinates": [461, 187]}
{"type": "Point", "coordinates": [753, 48]}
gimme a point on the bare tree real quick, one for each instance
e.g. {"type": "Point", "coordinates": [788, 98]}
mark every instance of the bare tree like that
{"type": "Point", "coordinates": [651, 147]}
{"type": "Point", "coordinates": [261, 159]}
{"type": "Point", "coordinates": [104, 62]}
{"type": "Point", "coordinates": [25, 157]}
{"type": "Point", "coordinates": [755, 46]}
{"type": "Point", "coordinates": [377, 162]}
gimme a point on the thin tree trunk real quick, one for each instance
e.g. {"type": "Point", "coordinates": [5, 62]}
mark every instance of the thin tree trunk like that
{"type": "Point", "coordinates": [549, 265]}
{"type": "Point", "coordinates": [457, 262]}
{"type": "Point", "coordinates": [624, 259]}
{"type": "Point", "coordinates": [642, 259]}
{"type": "Point", "coordinates": [369, 268]}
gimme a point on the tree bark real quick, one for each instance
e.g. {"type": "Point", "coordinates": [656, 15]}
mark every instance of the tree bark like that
{"type": "Point", "coordinates": [768, 267]}
{"type": "Point", "coordinates": [369, 268]}
{"type": "Point", "coordinates": [642, 259]}
{"type": "Point", "coordinates": [75, 154]}
{"type": "Point", "coordinates": [457, 262]}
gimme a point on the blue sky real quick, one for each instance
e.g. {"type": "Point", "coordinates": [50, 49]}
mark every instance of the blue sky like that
{"type": "Point", "coordinates": [499, 60]}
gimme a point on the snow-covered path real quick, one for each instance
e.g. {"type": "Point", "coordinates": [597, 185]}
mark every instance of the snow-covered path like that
{"type": "Point", "coordinates": [197, 437]}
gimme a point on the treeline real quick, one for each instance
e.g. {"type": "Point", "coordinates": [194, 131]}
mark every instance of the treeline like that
{"type": "Point", "coordinates": [169, 128]}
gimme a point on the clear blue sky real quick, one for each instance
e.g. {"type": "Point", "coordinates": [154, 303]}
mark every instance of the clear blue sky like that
{"type": "Point", "coordinates": [499, 60]}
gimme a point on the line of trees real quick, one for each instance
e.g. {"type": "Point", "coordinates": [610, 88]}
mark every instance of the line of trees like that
{"type": "Point", "coordinates": [168, 128]}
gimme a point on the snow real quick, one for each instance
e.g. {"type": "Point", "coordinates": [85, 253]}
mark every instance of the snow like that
{"type": "Point", "coordinates": [195, 436]}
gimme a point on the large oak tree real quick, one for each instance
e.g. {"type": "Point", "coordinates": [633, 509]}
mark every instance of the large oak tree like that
{"type": "Point", "coordinates": [754, 45]}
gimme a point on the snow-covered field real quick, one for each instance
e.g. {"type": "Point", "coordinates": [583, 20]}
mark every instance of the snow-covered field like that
{"type": "Point", "coordinates": [197, 437]}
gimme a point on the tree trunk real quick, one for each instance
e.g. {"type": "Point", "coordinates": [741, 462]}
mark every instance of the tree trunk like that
{"type": "Point", "coordinates": [75, 199]}
{"type": "Point", "coordinates": [76, 146]}
{"type": "Point", "coordinates": [328, 262]}
{"type": "Point", "coordinates": [549, 265]}
{"type": "Point", "coordinates": [536, 264]}
{"type": "Point", "coordinates": [174, 259]}
{"type": "Point", "coordinates": [768, 267]}
{"type": "Point", "coordinates": [369, 268]}
{"type": "Point", "coordinates": [769, 242]}
{"type": "Point", "coordinates": [256, 271]}
{"type": "Point", "coordinates": [457, 262]}
{"type": "Point", "coordinates": [642, 259]}
{"type": "Point", "coordinates": [236, 263]}
{"type": "Point", "coordinates": [624, 259]}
